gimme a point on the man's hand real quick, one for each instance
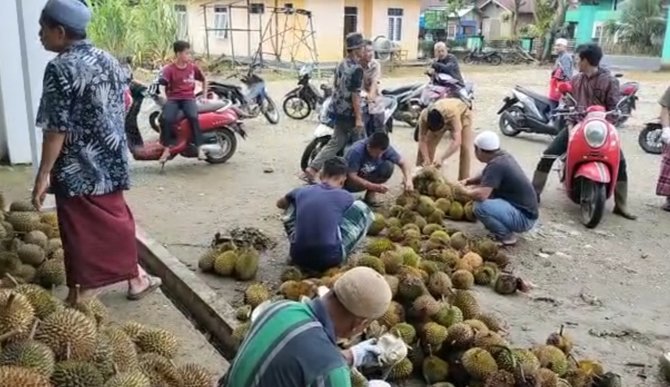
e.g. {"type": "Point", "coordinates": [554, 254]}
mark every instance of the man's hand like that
{"type": "Point", "coordinates": [40, 190]}
{"type": "Point", "coordinates": [365, 353]}
{"type": "Point", "coordinates": [437, 163]}
{"type": "Point", "coordinates": [665, 136]}
{"type": "Point", "coordinates": [377, 188]}
{"type": "Point", "coordinates": [464, 182]}
{"type": "Point", "coordinates": [408, 185]}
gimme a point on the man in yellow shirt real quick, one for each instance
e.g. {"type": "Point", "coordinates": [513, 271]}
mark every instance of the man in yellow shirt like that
{"type": "Point", "coordinates": [448, 115]}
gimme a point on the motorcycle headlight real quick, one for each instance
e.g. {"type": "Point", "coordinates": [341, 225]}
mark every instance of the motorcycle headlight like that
{"type": "Point", "coordinates": [595, 133]}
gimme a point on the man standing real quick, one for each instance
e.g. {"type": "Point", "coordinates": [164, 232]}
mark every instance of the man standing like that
{"type": "Point", "coordinates": [562, 71]}
{"type": "Point", "coordinates": [294, 344]}
{"type": "Point", "coordinates": [505, 200]}
{"type": "Point", "coordinates": [592, 86]}
{"type": "Point", "coordinates": [371, 163]}
{"type": "Point", "coordinates": [374, 106]}
{"type": "Point", "coordinates": [663, 184]}
{"type": "Point", "coordinates": [323, 221]}
{"type": "Point", "coordinates": [179, 80]}
{"type": "Point", "coordinates": [445, 63]}
{"type": "Point", "coordinates": [448, 115]}
{"type": "Point", "coordinates": [84, 156]}
{"type": "Point", "coordinates": [345, 106]}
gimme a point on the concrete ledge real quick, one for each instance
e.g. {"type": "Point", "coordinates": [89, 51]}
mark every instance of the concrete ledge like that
{"type": "Point", "coordinates": [213, 314]}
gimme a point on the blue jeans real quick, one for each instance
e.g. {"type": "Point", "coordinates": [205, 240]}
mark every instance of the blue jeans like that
{"type": "Point", "coordinates": [502, 218]}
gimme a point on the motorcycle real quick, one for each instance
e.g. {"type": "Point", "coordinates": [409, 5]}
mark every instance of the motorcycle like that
{"type": "Point", "coordinates": [527, 111]}
{"type": "Point", "coordinates": [324, 131]}
{"type": "Point", "coordinates": [219, 125]}
{"type": "Point", "coordinates": [301, 101]}
{"type": "Point", "coordinates": [530, 112]}
{"type": "Point", "coordinates": [408, 98]}
{"type": "Point", "coordinates": [589, 168]}
{"type": "Point", "coordinates": [256, 100]}
{"type": "Point", "coordinates": [477, 55]}
{"type": "Point", "coordinates": [650, 137]}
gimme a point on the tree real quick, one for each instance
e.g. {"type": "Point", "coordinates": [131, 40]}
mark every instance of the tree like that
{"type": "Point", "coordinates": [549, 17]}
{"type": "Point", "coordinates": [515, 16]}
{"type": "Point", "coordinates": [642, 25]}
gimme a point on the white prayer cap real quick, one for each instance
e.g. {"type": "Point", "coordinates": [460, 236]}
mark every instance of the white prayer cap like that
{"type": "Point", "coordinates": [487, 141]}
{"type": "Point", "coordinates": [561, 42]}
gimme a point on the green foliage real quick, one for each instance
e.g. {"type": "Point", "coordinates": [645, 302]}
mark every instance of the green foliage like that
{"type": "Point", "coordinates": [641, 26]}
{"type": "Point", "coordinates": [144, 30]}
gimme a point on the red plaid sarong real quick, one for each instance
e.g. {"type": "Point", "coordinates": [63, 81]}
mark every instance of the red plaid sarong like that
{"type": "Point", "coordinates": [663, 185]}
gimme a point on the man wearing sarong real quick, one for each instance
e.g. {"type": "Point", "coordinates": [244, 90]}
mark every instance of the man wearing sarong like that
{"type": "Point", "coordinates": [452, 116]}
{"type": "Point", "coordinates": [663, 185]}
{"type": "Point", "coordinates": [323, 221]}
{"type": "Point", "coordinates": [84, 159]}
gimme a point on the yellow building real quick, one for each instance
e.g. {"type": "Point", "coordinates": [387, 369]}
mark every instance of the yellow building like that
{"type": "Point", "coordinates": [221, 26]}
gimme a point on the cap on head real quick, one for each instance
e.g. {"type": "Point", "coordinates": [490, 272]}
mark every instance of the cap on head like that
{"type": "Point", "coordinates": [73, 14]}
{"type": "Point", "coordinates": [363, 292]}
{"type": "Point", "coordinates": [354, 40]}
{"type": "Point", "coordinates": [561, 42]}
{"type": "Point", "coordinates": [487, 141]}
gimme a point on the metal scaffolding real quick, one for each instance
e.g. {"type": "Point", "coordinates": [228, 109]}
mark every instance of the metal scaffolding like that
{"type": "Point", "coordinates": [286, 37]}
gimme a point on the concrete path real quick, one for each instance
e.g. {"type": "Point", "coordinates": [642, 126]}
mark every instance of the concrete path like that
{"type": "Point", "coordinates": [633, 63]}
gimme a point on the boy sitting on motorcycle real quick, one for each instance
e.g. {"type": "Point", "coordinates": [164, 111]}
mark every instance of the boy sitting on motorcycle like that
{"type": "Point", "coordinates": [371, 163]}
{"type": "Point", "coordinates": [179, 80]}
{"type": "Point", "coordinates": [594, 85]}
{"type": "Point", "coordinates": [323, 221]}
{"type": "Point", "coordinates": [448, 115]}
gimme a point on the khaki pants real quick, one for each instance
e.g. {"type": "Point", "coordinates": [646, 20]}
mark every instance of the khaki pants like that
{"type": "Point", "coordinates": [467, 145]}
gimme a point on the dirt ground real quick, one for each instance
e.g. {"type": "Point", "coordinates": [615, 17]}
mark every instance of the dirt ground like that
{"type": "Point", "coordinates": [608, 285]}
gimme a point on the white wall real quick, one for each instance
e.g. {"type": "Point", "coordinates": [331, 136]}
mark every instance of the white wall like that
{"type": "Point", "coordinates": [21, 71]}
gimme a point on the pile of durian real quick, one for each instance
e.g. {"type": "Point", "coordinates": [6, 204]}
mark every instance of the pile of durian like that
{"type": "Point", "coordinates": [431, 268]}
{"type": "Point", "coordinates": [433, 200]}
{"type": "Point", "coordinates": [230, 260]}
{"type": "Point", "coordinates": [44, 342]}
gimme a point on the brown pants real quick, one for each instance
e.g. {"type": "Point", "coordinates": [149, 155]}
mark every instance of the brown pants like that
{"type": "Point", "coordinates": [467, 145]}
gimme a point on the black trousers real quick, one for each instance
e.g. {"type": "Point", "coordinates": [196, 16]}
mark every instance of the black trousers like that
{"type": "Point", "coordinates": [171, 112]}
{"type": "Point", "coordinates": [560, 145]}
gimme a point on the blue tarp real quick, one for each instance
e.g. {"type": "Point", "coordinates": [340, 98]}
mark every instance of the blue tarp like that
{"type": "Point", "coordinates": [422, 21]}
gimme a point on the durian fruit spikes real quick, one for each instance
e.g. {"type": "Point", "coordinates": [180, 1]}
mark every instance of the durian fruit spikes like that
{"type": "Point", "coordinates": [561, 341]}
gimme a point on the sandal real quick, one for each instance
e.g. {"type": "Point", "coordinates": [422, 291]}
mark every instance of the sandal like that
{"type": "Point", "coordinates": [154, 283]}
{"type": "Point", "coordinates": [307, 179]}
{"type": "Point", "coordinates": [666, 206]}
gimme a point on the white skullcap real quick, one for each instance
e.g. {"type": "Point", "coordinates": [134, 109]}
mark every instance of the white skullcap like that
{"type": "Point", "coordinates": [562, 42]}
{"type": "Point", "coordinates": [363, 292]}
{"type": "Point", "coordinates": [487, 141]}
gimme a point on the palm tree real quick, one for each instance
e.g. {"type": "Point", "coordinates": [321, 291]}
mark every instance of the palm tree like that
{"type": "Point", "coordinates": [642, 24]}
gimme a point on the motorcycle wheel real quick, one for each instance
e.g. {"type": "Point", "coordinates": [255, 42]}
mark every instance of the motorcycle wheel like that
{"type": "Point", "coordinates": [650, 139]}
{"type": "Point", "coordinates": [312, 149]}
{"type": "Point", "coordinates": [154, 122]}
{"type": "Point", "coordinates": [505, 126]}
{"type": "Point", "coordinates": [228, 142]}
{"type": "Point", "coordinates": [468, 59]}
{"type": "Point", "coordinates": [269, 109]}
{"type": "Point", "coordinates": [288, 104]}
{"type": "Point", "coordinates": [592, 202]}
{"type": "Point", "coordinates": [495, 60]}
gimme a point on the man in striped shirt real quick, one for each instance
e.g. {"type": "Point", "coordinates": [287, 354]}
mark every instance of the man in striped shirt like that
{"type": "Point", "coordinates": [293, 344]}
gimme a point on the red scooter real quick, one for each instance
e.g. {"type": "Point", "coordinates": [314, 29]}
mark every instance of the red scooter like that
{"type": "Point", "coordinates": [590, 167]}
{"type": "Point", "coordinates": [218, 122]}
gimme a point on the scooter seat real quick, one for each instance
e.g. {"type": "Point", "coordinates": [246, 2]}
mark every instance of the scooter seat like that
{"type": "Point", "coordinates": [399, 90]}
{"type": "Point", "coordinates": [536, 96]}
{"type": "Point", "coordinates": [205, 107]}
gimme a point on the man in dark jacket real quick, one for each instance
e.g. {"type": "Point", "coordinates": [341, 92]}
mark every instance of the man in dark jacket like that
{"type": "Point", "coordinates": [594, 85]}
{"type": "Point", "coordinates": [445, 63]}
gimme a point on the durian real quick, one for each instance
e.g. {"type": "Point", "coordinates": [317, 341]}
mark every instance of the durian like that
{"type": "Point", "coordinates": [448, 315]}
{"type": "Point", "coordinates": [393, 283]}
{"type": "Point", "coordinates": [246, 264]}
{"type": "Point", "coordinates": [469, 211]}
{"type": "Point", "coordinates": [239, 332]}
{"type": "Point", "coordinates": [456, 211]}
{"type": "Point", "coordinates": [29, 354]}
{"type": "Point", "coordinates": [410, 287]}
{"type": "Point", "coordinates": [43, 302]}
{"type": "Point", "coordinates": [561, 340]}
{"type": "Point", "coordinates": [434, 334]}
{"type": "Point", "coordinates": [467, 303]}
{"type": "Point", "coordinates": [31, 254]}
{"type": "Point", "coordinates": [36, 238]}
{"type": "Point", "coordinates": [425, 306]}
{"type": "Point", "coordinates": [485, 275]}
{"type": "Point", "coordinates": [462, 279]}
{"type": "Point", "coordinates": [372, 262]}
{"type": "Point", "coordinates": [51, 273]}
{"type": "Point", "coordinates": [392, 261]}
{"type": "Point", "coordinates": [377, 225]}
{"type": "Point", "coordinates": [23, 222]}
{"type": "Point", "coordinates": [17, 376]}
{"type": "Point", "coordinates": [439, 284]}
{"type": "Point", "coordinates": [402, 370]}
{"type": "Point", "coordinates": [133, 378]}
{"type": "Point", "coordinates": [489, 341]}
{"type": "Point", "coordinates": [206, 261]}
{"type": "Point", "coordinates": [473, 259]}
{"type": "Point", "coordinates": [506, 284]}
{"type": "Point", "coordinates": [158, 341]}
{"type": "Point", "coordinates": [133, 329]}
{"type": "Point", "coordinates": [194, 375]}
{"type": "Point", "coordinates": [124, 354]}
{"type": "Point", "coordinates": [553, 358]}
{"type": "Point", "coordinates": [460, 335]}
{"type": "Point", "coordinates": [224, 264]}
{"type": "Point", "coordinates": [443, 205]}
{"type": "Point", "coordinates": [393, 315]}
{"type": "Point", "coordinates": [479, 363]}
{"type": "Point", "coordinates": [409, 257]}
{"type": "Point", "coordinates": [16, 312]}
{"type": "Point", "coordinates": [379, 245]}
{"type": "Point", "coordinates": [434, 369]}
{"type": "Point", "coordinates": [458, 241]}
{"type": "Point", "coordinates": [405, 331]}
{"type": "Point", "coordinates": [160, 370]}
{"type": "Point", "coordinates": [291, 273]}
{"type": "Point", "coordinates": [71, 373]}
{"type": "Point", "coordinates": [255, 294]}
{"type": "Point", "coordinates": [21, 206]}
{"type": "Point", "coordinates": [68, 331]}
{"type": "Point", "coordinates": [494, 323]}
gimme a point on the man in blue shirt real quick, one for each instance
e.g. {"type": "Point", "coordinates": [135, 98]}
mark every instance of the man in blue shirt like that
{"type": "Point", "coordinates": [371, 162]}
{"type": "Point", "coordinates": [323, 221]}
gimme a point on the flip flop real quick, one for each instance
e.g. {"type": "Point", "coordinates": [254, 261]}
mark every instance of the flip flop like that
{"type": "Point", "coordinates": [306, 179]}
{"type": "Point", "coordinates": [154, 283]}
